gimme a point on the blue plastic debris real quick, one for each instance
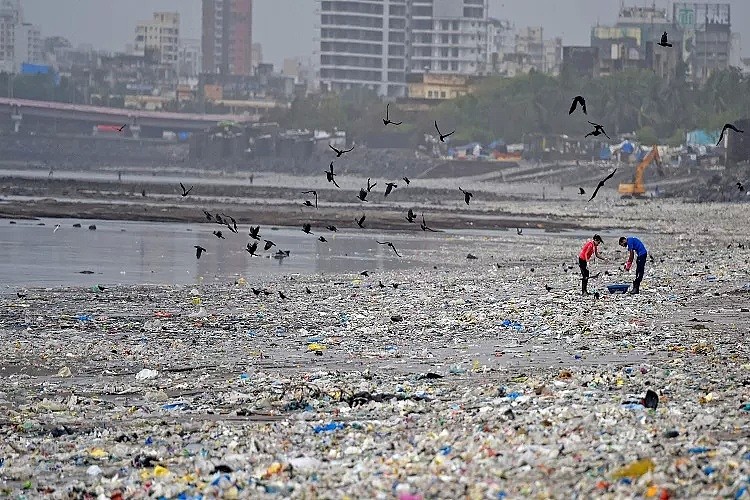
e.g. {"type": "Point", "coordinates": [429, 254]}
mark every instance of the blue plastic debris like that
{"type": "Point", "coordinates": [445, 450]}
{"type": "Point", "coordinates": [84, 317]}
{"type": "Point", "coordinates": [175, 406]}
{"type": "Point", "coordinates": [329, 427]}
{"type": "Point", "coordinates": [709, 470]}
{"type": "Point", "coordinates": [514, 395]}
{"type": "Point", "coordinates": [699, 449]}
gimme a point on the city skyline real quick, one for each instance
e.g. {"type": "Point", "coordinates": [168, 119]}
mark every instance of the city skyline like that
{"type": "Point", "coordinates": [110, 25]}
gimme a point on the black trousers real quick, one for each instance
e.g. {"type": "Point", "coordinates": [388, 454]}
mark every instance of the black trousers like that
{"type": "Point", "coordinates": [640, 268]}
{"type": "Point", "coordinates": [584, 274]}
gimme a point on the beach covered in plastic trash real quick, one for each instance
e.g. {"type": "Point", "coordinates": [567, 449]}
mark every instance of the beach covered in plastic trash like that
{"type": "Point", "coordinates": [472, 380]}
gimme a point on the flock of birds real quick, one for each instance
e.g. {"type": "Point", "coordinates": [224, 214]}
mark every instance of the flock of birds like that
{"type": "Point", "coordinates": [252, 248]}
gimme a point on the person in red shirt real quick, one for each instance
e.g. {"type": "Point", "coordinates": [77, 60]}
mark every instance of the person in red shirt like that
{"type": "Point", "coordinates": [590, 249]}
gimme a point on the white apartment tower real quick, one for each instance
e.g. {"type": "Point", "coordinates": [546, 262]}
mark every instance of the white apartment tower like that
{"type": "Point", "coordinates": [19, 42]}
{"type": "Point", "coordinates": [376, 43]}
{"type": "Point", "coordinates": [162, 34]}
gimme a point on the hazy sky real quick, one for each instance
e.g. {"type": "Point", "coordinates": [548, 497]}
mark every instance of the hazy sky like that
{"type": "Point", "coordinates": [285, 27]}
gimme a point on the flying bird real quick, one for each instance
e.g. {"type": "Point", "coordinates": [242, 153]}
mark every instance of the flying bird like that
{"type": "Point", "coordinates": [331, 177]}
{"type": "Point", "coordinates": [208, 215]}
{"type": "Point", "coordinates": [576, 101]}
{"type": "Point", "coordinates": [424, 227]}
{"type": "Point", "coordinates": [389, 244]}
{"type": "Point", "coordinates": [219, 220]}
{"type": "Point", "coordinates": [251, 249]}
{"type": "Point", "coordinates": [410, 216]}
{"type": "Point", "coordinates": [467, 195]}
{"type": "Point", "coordinates": [281, 254]}
{"type": "Point", "coordinates": [308, 203]}
{"type": "Point", "coordinates": [664, 40]}
{"type": "Point", "coordinates": [314, 193]}
{"type": "Point", "coordinates": [360, 222]}
{"type": "Point", "coordinates": [370, 186]}
{"type": "Point", "coordinates": [184, 191]}
{"type": "Point", "coordinates": [219, 235]}
{"type": "Point", "coordinates": [406, 180]}
{"type": "Point", "coordinates": [366, 274]}
{"type": "Point", "coordinates": [57, 226]}
{"type": "Point", "coordinates": [198, 251]}
{"type": "Point", "coordinates": [442, 136]}
{"type": "Point", "coordinates": [388, 188]}
{"type": "Point", "coordinates": [332, 228]}
{"type": "Point", "coordinates": [519, 231]}
{"type": "Point", "coordinates": [340, 152]}
{"type": "Point", "coordinates": [362, 194]}
{"type": "Point", "coordinates": [728, 126]}
{"type": "Point", "coordinates": [581, 191]}
{"type": "Point", "coordinates": [234, 222]}
{"type": "Point", "coordinates": [254, 232]}
{"type": "Point", "coordinates": [322, 239]}
{"type": "Point", "coordinates": [741, 187]}
{"type": "Point", "coordinates": [122, 128]}
{"type": "Point", "coordinates": [256, 291]}
{"type": "Point", "coordinates": [598, 130]}
{"type": "Point", "coordinates": [268, 245]}
{"type": "Point", "coordinates": [601, 184]}
{"type": "Point", "coordinates": [386, 120]}
{"type": "Point", "coordinates": [306, 228]}
{"type": "Point", "coordinates": [307, 290]}
{"type": "Point", "coordinates": [281, 294]}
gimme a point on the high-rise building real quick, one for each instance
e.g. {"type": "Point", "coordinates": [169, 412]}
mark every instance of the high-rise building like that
{"type": "Point", "coordinates": [189, 58]}
{"type": "Point", "coordinates": [160, 35]}
{"type": "Point", "coordinates": [706, 37]}
{"type": "Point", "coordinates": [19, 42]}
{"type": "Point", "coordinates": [376, 43]}
{"type": "Point", "coordinates": [227, 37]}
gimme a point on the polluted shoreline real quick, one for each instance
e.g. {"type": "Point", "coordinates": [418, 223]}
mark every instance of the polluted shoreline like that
{"type": "Point", "coordinates": [472, 380]}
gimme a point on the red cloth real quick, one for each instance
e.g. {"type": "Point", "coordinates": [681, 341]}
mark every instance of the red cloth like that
{"type": "Point", "coordinates": [587, 251]}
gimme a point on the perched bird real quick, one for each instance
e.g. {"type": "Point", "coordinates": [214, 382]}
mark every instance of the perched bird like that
{"type": "Point", "coordinates": [184, 191]}
{"type": "Point", "coordinates": [219, 235]}
{"type": "Point", "coordinates": [306, 228]}
{"type": "Point", "coordinates": [664, 40]}
{"type": "Point", "coordinates": [410, 216]}
{"type": "Point", "coordinates": [388, 188]}
{"type": "Point", "coordinates": [322, 239]}
{"type": "Point", "coordinates": [21, 295]}
{"type": "Point", "coordinates": [254, 230]}
{"type": "Point", "coordinates": [307, 290]}
{"type": "Point", "coordinates": [370, 186]}
{"type": "Point", "coordinates": [331, 177]}
{"type": "Point", "coordinates": [366, 274]}
{"type": "Point", "coordinates": [380, 284]}
{"type": "Point", "coordinates": [281, 294]}
{"type": "Point", "coordinates": [208, 215]}
{"type": "Point", "coordinates": [581, 191]}
{"type": "Point", "coordinates": [361, 221]}
{"type": "Point", "coordinates": [256, 291]}
{"type": "Point", "coordinates": [394, 285]}
{"type": "Point", "coordinates": [268, 245]}
{"type": "Point", "coordinates": [266, 292]}
{"type": "Point", "coordinates": [332, 228]}
{"type": "Point", "coordinates": [601, 184]}
{"type": "Point", "coordinates": [576, 101]}
{"type": "Point", "coordinates": [519, 231]}
{"type": "Point", "coordinates": [598, 130]}
{"type": "Point", "coordinates": [442, 136]}
{"type": "Point", "coordinates": [362, 194]}
{"type": "Point", "coordinates": [340, 152]}
{"type": "Point", "coordinates": [281, 254]}
{"type": "Point", "coordinates": [741, 187]}
{"type": "Point", "coordinates": [424, 227]}
{"type": "Point", "coordinates": [308, 203]}
{"type": "Point", "coordinates": [314, 193]}
{"type": "Point", "coordinates": [467, 195]}
{"type": "Point", "coordinates": [548, 288]}
{"type": "Point", "coordinates": [389, 244]}
{"type": "Point", "coordinates": [198, 251]}
{"type": "Point", "coordinates": [471, 256]}
{"type": "Point", "coordinates": [406, 180]}
{"type": "Point", "coordinates": [728, 126]}
{"type": "Point", "coordinates": [386, 120]}
{"type": "Point", "coordinates": [251, 249]}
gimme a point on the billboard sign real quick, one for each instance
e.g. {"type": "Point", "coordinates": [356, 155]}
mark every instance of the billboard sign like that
{"type": "Point", "coordinates": [695, 16]}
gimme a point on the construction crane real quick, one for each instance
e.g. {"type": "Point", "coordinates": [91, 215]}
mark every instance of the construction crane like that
{"type": "Point", "coordinates": [637, 188]}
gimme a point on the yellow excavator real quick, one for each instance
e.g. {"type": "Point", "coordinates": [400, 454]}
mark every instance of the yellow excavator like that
{"type": "Point", "coordinates": [637, 188]}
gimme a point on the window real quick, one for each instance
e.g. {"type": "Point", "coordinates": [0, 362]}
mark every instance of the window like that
{"type": "Point", "coordinates": [442, 94]}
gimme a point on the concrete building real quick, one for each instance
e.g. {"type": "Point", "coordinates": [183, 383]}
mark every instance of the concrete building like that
{"type": "Point", "coordinates": [437, 87]}
{"type": "Point", "coordinates": [160, 36]}
{"type": "Point", "coordinates": [500, 43]}
{"type": "Point", "coordinates": [707, 37]}
{"type": "Point", "coordinates": [227, 28]}
{"type": "Point", "coordinates": [532, 51]}
{"type": "Point", "coordinates": [189, 60]}
{"type": "Point", "coordinates": [376, 43]}
{"type": "Point", "coordinates": [581, 61]}
{"type": "Point", "coordinates": [256, 51]}
{"type": "Point", "coordinates": [20, 42]}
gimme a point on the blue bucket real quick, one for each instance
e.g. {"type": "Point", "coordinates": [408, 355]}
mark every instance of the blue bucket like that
{"type": "Point", "coordinates": [618, 287]}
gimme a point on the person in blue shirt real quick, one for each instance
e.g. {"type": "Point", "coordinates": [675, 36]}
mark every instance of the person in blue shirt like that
{"type": "Point", "coordinates": [635, 246]}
